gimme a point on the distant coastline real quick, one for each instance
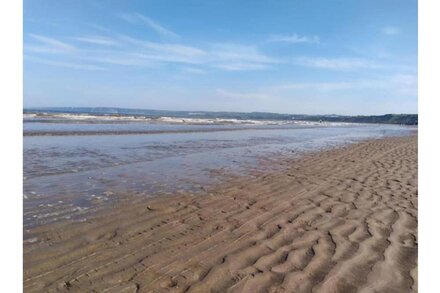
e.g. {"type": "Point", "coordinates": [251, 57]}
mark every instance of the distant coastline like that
{"type": "Point", "coordinates": [402, 119]}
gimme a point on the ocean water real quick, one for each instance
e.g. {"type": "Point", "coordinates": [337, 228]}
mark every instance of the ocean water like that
{"type": "Point", "coordinates": [72, 165]}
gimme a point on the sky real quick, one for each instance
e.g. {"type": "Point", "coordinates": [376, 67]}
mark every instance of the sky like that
{"type": "Point", "coordinates": [296, 56]}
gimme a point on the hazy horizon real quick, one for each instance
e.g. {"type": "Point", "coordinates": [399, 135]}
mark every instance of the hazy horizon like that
{"type": "Point", "coordinates": [342, 57]}
{"type": "Point", "coordinates": [206, 111]}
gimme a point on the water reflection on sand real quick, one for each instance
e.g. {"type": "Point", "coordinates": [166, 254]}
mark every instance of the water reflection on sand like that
{"type": "Point", "coordinates": [67, 175]}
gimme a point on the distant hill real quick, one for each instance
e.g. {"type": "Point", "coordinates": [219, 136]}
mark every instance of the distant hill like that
{"type": "Point", "coordinates": [406, 119]}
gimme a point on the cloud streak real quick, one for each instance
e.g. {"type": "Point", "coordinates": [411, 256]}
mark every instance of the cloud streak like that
{"type": "Point", "coordinates": [342, 64]}
{"type": "Point", "coordinates": [49, 45]}
{"type": "Point", "coordinates": [243, 96]}
{"type": "Point", "coordinates": [137, 18]}
{"type": "Point", "coordinates": [233, 57]}
{"type": "Point", "coordinates": [96, 40]}
{"type": "Point", "coordinates": [124, 50]}
{"type": "Point", "coordinates": [398, 85]}
{"type": "Point", "coordinates": [390, 30]}
{"type": "Point", "coordinates": [401, 84]}
{"type": "Point", "coordinates": [193, 70]}
{"type": "Point", "coordinates": [294, 39]}
{"type": "Point", "coordinates": [70, 65]}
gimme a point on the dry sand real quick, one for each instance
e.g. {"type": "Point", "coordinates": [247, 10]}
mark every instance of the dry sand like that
{"type": "Point", "coordinates": [342, 220]}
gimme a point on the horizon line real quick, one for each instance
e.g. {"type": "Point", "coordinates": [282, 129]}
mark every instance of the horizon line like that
{"type": "Point", "coordinates": [206, 111]}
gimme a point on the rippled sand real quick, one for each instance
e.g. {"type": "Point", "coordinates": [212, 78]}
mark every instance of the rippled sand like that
{"type": "Point", "coordinates": [342, 220]}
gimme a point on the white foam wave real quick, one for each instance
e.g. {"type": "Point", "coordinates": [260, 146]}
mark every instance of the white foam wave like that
{"type": "Point", "coordinates": [173, 120]}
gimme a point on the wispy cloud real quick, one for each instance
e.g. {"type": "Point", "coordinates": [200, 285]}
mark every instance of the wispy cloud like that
{"type": "Point", "coordinates": [319, 86]}
{"type": "Point", "coordinates": [63, 64]}
{"type": "Point", "coordinates": [96, 40]}
{"type": "Point", "coordinates": [120, 59]}
{"type": "Point", "coordinates": [226, 56]}
{"type": "Point", "coordinates": [236, 66]}
{"type": "Point", "coordinates": [175, 49]}
{"type": "Point", "coordinates": [390, 30]}
{"type": "Point", "coordinates": [407, 84]}
{"type": "Point", "coordinates": [193, 70]}
{"type": "Point", "coordinates": [49, 45]}
{"type": "Point", "coordinates": [137, 18]}
{"type": "Point", "coordinates": [228, 51]}
{"type": "Point", "coordinates": [235, 57]}
{"type": "Point", "coordinates": [327, 87]}
{"type": "Point", "coordinates": [294, 39]}
{"type": "Point", "coordinates": [398, 85]}
{"type": "Point", "coordinates": [171, 52]}
{"type": "Point", "coordinates": [240, 95]}
{"type": "Point", "coordinates": [337, 63]}
{"type": "Point", "coordinates": [401, 84]}
{"type": "Point", "coordinates": [124, 50]}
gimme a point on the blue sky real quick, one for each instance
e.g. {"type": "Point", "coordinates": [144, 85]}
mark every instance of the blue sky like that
{"type": "Point", "coordinates": [342, 57]}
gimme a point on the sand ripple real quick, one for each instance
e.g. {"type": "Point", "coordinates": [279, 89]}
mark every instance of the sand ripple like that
{"type": "Point", "coordinates": [339, 221]}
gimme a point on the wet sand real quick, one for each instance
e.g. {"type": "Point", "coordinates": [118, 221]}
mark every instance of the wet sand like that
{"type": "Point", "coordinates": [342, 220]}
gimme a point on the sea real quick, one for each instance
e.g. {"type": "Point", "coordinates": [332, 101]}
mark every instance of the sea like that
{"type": "Point", "coordinates": [78, 160]}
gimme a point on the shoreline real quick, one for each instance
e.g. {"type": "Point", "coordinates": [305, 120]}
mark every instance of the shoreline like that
{"type": "Point", "coordinates": [183, 131]}
{"type": "Point", "coordinates": [325, 222]}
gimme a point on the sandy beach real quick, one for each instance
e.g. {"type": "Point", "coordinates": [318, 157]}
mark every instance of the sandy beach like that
{"type": "Point", "coordinates": [341, 220]}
